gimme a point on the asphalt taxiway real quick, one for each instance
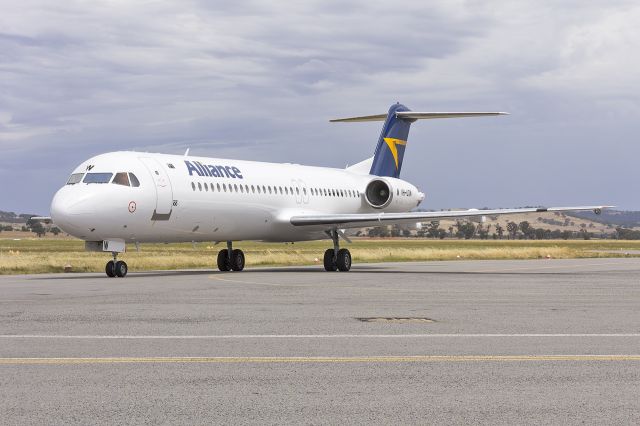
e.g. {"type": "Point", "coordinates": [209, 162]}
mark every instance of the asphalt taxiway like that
{"type": "Point", "coordinates": [544, 341]}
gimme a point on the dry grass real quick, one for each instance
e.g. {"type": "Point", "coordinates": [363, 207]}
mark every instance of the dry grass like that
{"type": "Point", "coordinates": [44, 255]}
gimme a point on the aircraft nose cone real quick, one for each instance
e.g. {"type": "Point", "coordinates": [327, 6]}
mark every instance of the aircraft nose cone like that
{"type": "Point", "coordinates": [70, 209]}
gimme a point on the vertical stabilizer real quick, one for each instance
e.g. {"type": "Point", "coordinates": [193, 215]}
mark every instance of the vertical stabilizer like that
{"type": "Point", "coordinates": [387, 159]}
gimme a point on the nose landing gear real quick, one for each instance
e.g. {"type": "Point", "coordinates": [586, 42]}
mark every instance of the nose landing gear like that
{"type": "Point", "coordinates": [336, 259]}
{"type": "Point", "coordinates": [230, 259]}
{"type": "Point", "coordinates": [116, 268]}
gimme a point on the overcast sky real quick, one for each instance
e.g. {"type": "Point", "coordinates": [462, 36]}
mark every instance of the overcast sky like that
{"type": "Point", "coordinates": [260, 80]}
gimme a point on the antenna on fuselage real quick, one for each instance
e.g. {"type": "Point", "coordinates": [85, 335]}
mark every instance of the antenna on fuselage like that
{"type": "Point", "coordinates": [186, 152]}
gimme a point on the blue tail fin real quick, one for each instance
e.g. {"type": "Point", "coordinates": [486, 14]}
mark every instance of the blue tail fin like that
{"type": "Point", "coordinates": [387, 159]}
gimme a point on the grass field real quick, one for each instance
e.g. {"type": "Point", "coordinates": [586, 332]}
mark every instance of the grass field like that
{"type": "Point", "coordinates": [51, 255]}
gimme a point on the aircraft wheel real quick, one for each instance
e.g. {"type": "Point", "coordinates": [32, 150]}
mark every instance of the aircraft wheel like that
{"type": "Point", "coordinates": [329, 262]}
{"type": "Point", "coordinates": [110, 269]}
{"type": "Point", "coordinates": [344, 260]}
{"type": "Point", "coordinates": [237, 260]}
{"type": "Point", "coordinates": [121, 269]}
{"type": "Point", "coordinates": [223, 261]}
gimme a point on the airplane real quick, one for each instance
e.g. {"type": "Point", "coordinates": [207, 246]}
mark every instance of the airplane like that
{"type": "Point", "coordinates": [133, 197]}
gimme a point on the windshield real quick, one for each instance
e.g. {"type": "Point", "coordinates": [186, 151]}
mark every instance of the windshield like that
{"type": "Point", "coordinates": [75, 178]}
{"type": "Point", "coordinates": [97, 177]}
{"type": "Point", "coordinates": [121, 179]}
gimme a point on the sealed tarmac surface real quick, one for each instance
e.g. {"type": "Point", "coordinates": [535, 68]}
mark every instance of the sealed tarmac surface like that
{"type": "Point", "coordinates": [544, 341]}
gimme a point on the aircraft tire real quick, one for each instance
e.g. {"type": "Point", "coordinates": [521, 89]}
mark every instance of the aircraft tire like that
{"type": "Point", "coordinates": [223, 261]}
{"type": "Point", "coordinates": [110, 269]}
{"type": "Point", "coordinates": [329, 263]}
{"type": "Point", "coordinates": [237, 260]}
{"type": "Point", "coordinates": [121, 269]}
{"type": "Point", "coordinates": [344, 260]}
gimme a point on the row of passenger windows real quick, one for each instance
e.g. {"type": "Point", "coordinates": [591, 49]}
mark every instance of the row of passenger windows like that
{"type": "Point", "coordinates": [268, 189]}
{"type": "Point", "coordinates": [120, 178]}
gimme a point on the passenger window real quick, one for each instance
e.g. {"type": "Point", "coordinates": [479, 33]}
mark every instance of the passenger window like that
{"type": "Point", "coordinates": [75, 178]}
{"type": "Point", "coordinates": [206, 187]}
{"type": "Point", "coordinates": [224, 187]}
{"type": "Point", "coordinates": [235, 187]}
{"type": "Point", "coordinates": [134, 180]}
{"type": "Point", "coordinates": [218, 185]}
{"type": "Point", "coordinates": [193, 185]}
{"type": "Point", "coordinates": [199, 186]}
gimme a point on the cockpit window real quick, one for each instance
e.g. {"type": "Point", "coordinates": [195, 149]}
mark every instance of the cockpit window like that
{"type": "Point", "coordinates": [134, 180]}
{"type": "Point", "coordinates": [75, 178]}
{"type": "Point", "coordinates": [121, 179]}
{"type": "Point", "coordinates": [97, 177]}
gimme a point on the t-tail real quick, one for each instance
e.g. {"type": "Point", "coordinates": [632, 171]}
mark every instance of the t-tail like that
{"type": "Point", "coordinates": [392, 143]}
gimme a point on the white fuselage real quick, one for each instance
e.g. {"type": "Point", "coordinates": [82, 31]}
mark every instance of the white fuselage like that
{"type": "Point", "coordinates": [186, 198]}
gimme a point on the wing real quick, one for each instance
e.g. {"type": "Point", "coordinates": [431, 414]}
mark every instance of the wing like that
{"type": "Point", "coordinates": [361, 220]}
{"type": "Point", "coordinates": [45, 219]}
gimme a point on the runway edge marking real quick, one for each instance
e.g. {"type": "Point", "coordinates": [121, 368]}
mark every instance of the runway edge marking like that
{"type": "Point", "coordinates": [319, 360]}
{"type": "Point", "coordinates": [314, 336]}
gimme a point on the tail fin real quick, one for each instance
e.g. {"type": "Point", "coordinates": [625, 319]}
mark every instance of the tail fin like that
{"type": "Point", "coordinates": [387, 159]}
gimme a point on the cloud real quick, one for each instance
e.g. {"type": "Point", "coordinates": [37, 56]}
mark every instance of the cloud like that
{"type": "Point", "coordinates": [258, 80]}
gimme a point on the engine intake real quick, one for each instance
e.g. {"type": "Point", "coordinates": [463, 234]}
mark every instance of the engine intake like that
{"type": "Point", "coordinates": [378, 194]}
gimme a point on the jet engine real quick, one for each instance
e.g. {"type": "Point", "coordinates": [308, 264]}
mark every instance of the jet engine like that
{"type": "Point", "coordinates": [378, 194]}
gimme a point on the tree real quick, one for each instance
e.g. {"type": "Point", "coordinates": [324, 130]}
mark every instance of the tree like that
{"type": "Point", "coordinates": [524, 227]}
{"type": "Point", "coordinates": [55, 231]}
{"type": "Point", "coordinates": [433, 230]}
{"type": "Point", "coordinates": [499, 230]}
{"type": "Point", "coordinates": [38, 229]}
{"type": "Point", "coordinates": [466, 230]}
{"type": "Point", "coordinates": [512, 228]}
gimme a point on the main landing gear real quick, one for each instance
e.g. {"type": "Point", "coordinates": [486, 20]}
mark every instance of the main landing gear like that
{"type": "Point", "coordinates": [229, 259]}
{"type": "Point", "coordinates": [116, 268]}
{"type": "Point", "coordinates": [336, 258]}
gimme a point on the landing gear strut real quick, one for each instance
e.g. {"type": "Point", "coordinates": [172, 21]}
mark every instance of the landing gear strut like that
{"type": "Point", "coordinates": [230, 259]}
{"type": "Point", "coordinates": [115, 267]}
{"type": "Point", "coordinates": [336, 258]}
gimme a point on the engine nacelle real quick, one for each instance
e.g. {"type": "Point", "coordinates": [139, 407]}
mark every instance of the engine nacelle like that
{"type": "Point", "coordinates": [378, 193]}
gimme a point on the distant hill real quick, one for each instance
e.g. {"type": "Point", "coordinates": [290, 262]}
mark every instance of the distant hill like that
{"type": "Point", "coordinates": [11, 217]}
{"type": "Point", "coordinates": [611, 217]}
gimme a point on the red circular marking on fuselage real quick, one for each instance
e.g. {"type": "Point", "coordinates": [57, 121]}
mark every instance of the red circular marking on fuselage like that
{"type": "Point", "coordinates": [132, 206]}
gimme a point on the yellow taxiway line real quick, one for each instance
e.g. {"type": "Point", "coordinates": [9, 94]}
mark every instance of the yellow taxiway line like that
{"type": "Point", "coordinates": [316, 359]}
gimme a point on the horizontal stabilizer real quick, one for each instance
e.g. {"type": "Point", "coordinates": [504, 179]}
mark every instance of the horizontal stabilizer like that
{"type": "Point", "coordinates": [414, 115]}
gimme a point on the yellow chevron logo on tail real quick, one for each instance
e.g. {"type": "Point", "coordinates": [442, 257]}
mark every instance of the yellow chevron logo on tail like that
{"type": "Point", "coordinates": [392, 143]}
